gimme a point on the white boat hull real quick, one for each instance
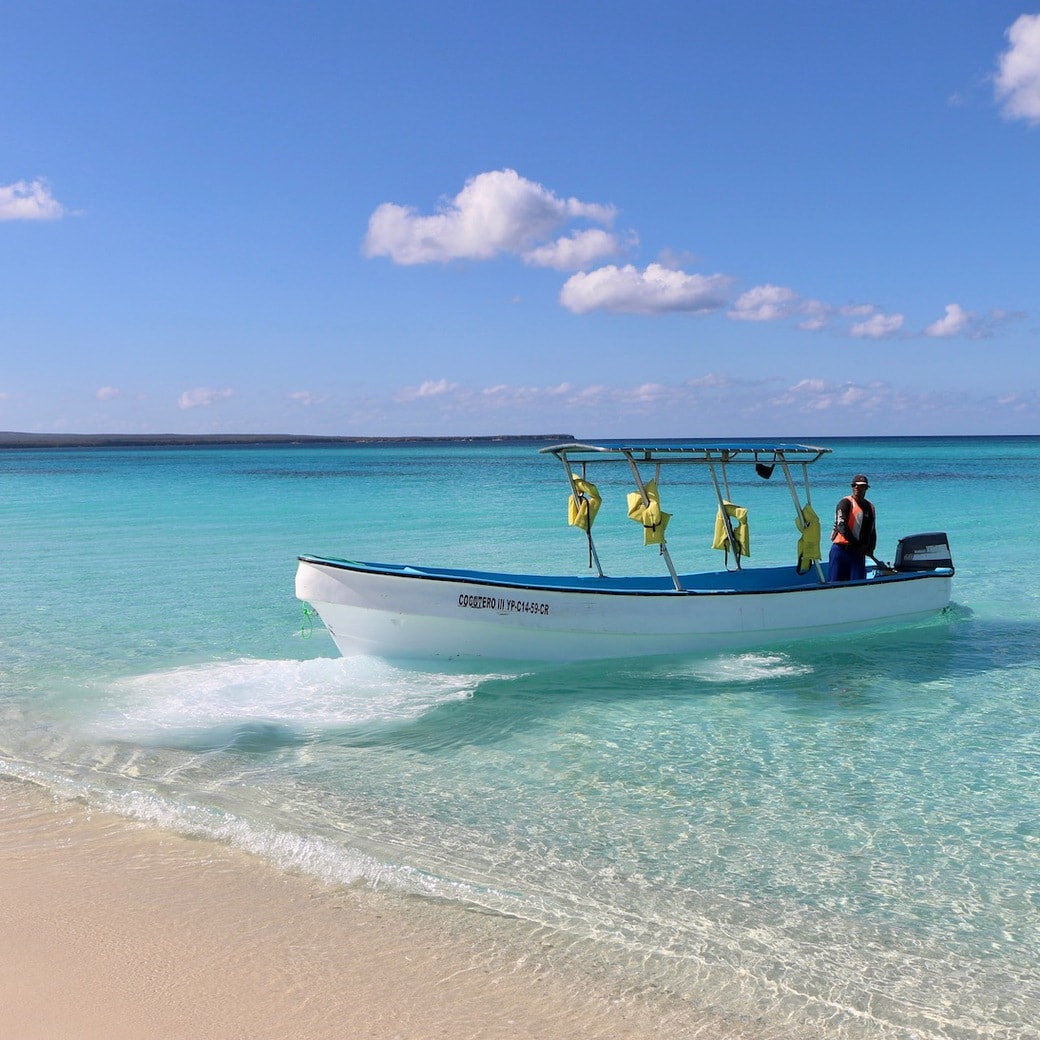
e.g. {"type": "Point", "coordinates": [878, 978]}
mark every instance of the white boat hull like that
{"type": "Point", "coordinates": [402, 612]}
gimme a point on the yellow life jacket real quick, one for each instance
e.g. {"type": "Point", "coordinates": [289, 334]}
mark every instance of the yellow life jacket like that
{"type": "Point", "coordinates": [741, 532]}
{"type": "Point", "coordinates": [581, 511]}
{"type": "Point", "coordinates": [809, 543]}
{"type": "Point", "coordinates": [649, 513]}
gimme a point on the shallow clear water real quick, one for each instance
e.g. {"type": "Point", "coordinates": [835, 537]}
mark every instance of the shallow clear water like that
{"type": "Point", "coordinates": [838, 836]}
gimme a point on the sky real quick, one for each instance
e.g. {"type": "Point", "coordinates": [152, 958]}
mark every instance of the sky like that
{"type": "Point", "coordinates": [780, 218]}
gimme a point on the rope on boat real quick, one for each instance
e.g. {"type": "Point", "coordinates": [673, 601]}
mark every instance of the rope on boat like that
{"type": "Point", "coordinates": [307, 622]}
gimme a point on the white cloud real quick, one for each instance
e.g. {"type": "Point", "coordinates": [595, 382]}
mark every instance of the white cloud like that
{"type": "Point", "coordinates": [857, 310]}
{"type": "Point", "coordinates": [502, 391]}
{"type": "Point", "coordinates": [712, 380]}
{"type": "Point", "coordinates": [1027, 404]}
{"type": "Point", "coordinates": [815, 395]}
{"type": "Point", "coordinates": [817, 314]}
{"type": "Point", "coordinates": [655, 290]}
{"type": "Point", "coordinates": [429, 388]}
{"type": "Point", "coordinates": [25, 200]}
{"type": "Point", "coordinates": [878, 327]}
{"type": "Point", "coordinates": [1017, 82]}
{"type": "Point", "coordinates": [575, 252]}
{"type": "Point", "coordinates": [652, 393]}
{"type": "Point", "coordinates": [956, 322]}
{"type": "Point", "coordinates": [764, 303]}
{"type": "Point", "coordinates": [810, 386]}
{"type": "Point", "coordinates": [496, 212]}
{"type": "Point", "coordinates": [306, 398]}
{"type": "Point", "coordinates": [587, 396]}
{"type": "Point", "coordinates": [434, 388]}
{"type": "Point", "coordinates": [107, 393]}
{"type": "Point", "coordinates": [760, 406]}
{"type": "Point", "coordinates": [677, 258]}
{"type": "Point", "coordinates": [500, 212]}
{"type": "Point", "coordinates": [776, 303]}
{"type": "Point", "coordinates": [202, 397]}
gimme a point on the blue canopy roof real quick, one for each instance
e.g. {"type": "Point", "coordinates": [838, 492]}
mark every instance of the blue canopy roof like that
{"type": "Point", "coordinates": [651, 449]}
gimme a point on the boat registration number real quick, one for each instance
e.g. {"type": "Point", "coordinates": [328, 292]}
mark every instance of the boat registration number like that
{"type": "Point", "coordinates": [503, 605]}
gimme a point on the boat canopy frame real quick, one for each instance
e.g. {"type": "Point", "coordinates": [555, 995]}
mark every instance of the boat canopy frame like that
{"type": "Point", "coordinates": [717, 457]}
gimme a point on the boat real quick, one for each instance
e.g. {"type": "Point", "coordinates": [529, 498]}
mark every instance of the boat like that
{"type": "Point", "coordinates": [402, 611]}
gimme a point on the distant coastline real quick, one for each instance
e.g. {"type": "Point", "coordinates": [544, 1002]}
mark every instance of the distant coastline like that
{"type": "Point", "coordinates": [169, 440]}
{"type": "Point", "coordinates": [189, 440]}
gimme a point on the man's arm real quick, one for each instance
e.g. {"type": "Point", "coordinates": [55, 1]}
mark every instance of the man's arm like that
{"type": "Point", "coordinates": [871, 542]}
{"type": "Point", "coordinates": [841, 521]}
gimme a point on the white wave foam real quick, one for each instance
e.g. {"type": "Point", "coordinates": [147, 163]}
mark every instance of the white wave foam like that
{"type": "Point", "coordinates": [329, 861]}
{"type": "Point", "coordinates": [732, 668]}
{"type": "Point", "coordinates": [309, 695]}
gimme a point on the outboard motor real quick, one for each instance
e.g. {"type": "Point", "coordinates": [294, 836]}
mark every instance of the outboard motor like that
{"type": "Point", "coordinates": [923, 552]}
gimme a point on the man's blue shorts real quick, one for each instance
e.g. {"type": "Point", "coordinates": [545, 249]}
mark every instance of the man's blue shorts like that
{"type": "Point", "coordinates": [846, 564]}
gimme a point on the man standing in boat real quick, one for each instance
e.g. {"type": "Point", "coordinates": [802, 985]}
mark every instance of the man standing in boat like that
{"type": "Point", "coordinates": [854, 537]}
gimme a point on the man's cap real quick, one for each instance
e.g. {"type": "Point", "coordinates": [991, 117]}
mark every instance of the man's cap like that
{"type": "Point", "coordinates": [859, 478]}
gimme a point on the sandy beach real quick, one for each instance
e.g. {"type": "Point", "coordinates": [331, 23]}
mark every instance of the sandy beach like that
{"type": "Point", "coordinates": [110, 929]}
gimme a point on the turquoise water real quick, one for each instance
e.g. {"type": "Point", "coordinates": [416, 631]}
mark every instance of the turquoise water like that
{"type": "Point", "coordinates": [831, 838]}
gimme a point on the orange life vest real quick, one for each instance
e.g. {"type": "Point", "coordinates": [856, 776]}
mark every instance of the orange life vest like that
{"type": "Point", "coordinates": [854, 525]}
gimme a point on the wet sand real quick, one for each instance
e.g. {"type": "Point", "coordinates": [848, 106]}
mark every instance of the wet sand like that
{"type": "Point", "coordinates": [110, 929]}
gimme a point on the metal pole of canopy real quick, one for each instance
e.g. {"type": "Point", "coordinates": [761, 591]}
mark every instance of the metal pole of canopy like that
{"type": "Point", "coordinates": [725, 479]}
{"type": "Point", "coordinates": [646, 501]}
{"type": "Point", "coordinates": [574, 492]}
{"type": "Point", "coordinates": [797, 504]}
{"type": "Point", "coordinates": [723, 499]}
{"type": "Point", "coordinates": [808, 502]}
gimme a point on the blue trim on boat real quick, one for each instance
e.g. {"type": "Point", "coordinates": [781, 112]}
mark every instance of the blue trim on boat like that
{"type": "Point", "coordinates": [718, 583]}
